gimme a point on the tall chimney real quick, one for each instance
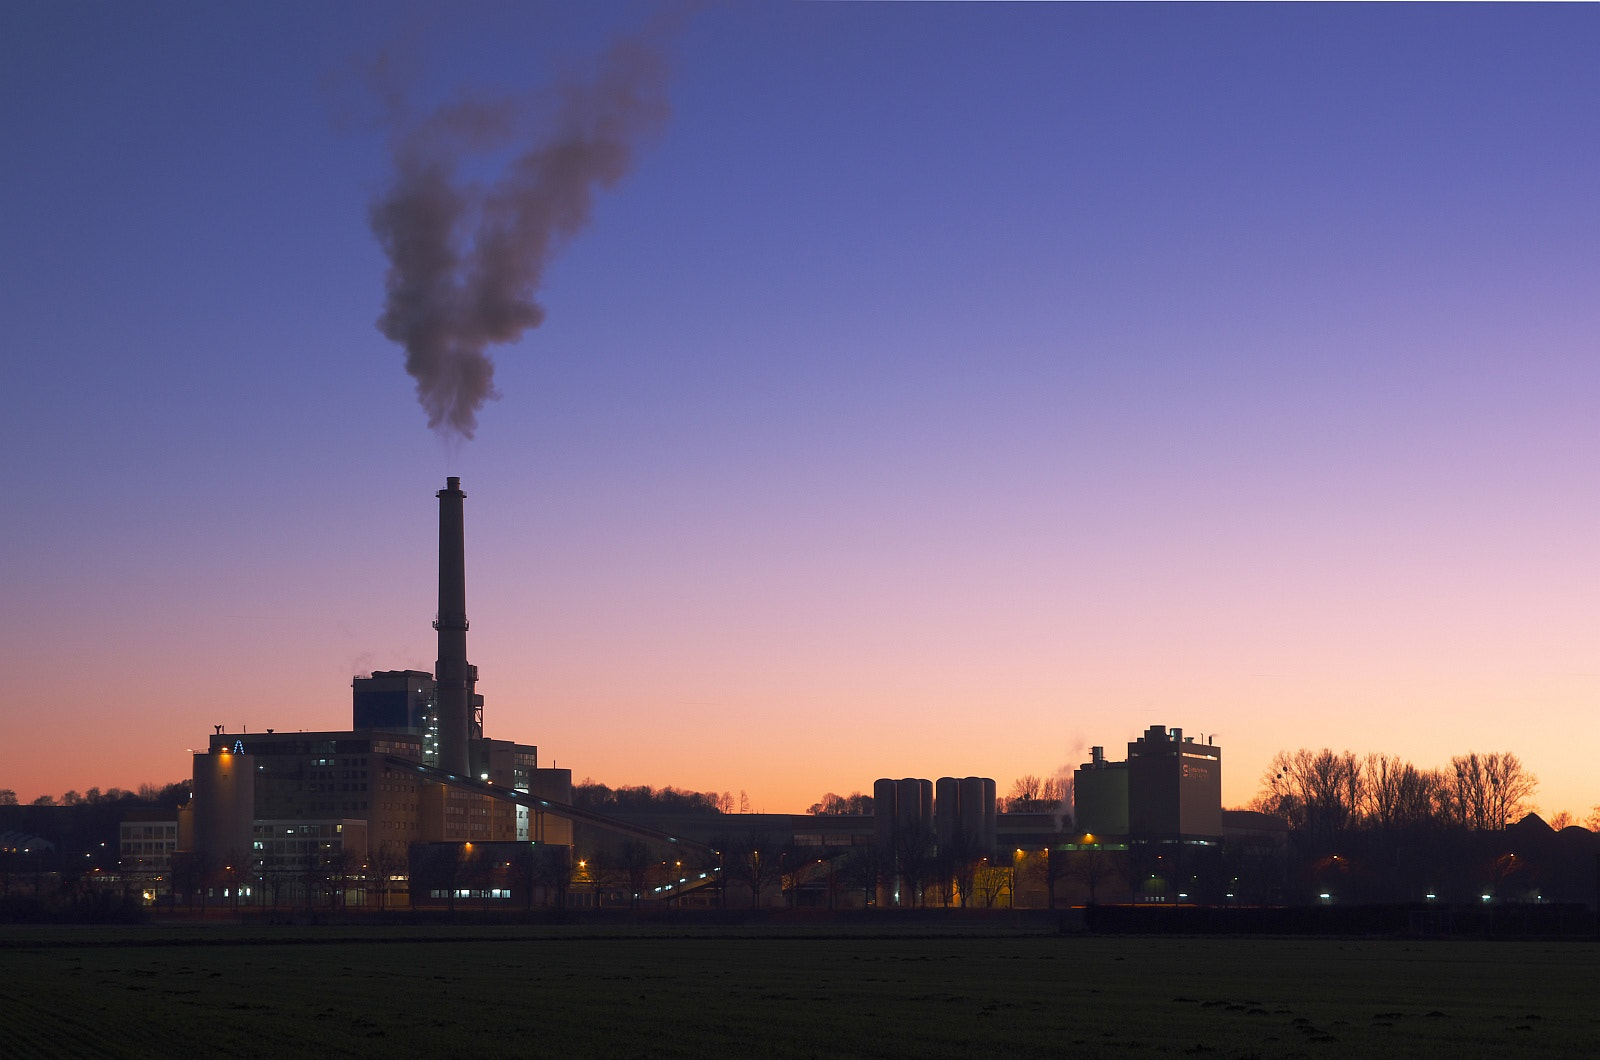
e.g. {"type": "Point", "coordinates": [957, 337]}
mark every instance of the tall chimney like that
{"type": "Point", "coordinates": [455, 676]}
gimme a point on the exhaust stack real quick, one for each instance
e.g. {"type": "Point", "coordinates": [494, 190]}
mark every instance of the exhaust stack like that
{"type": "Point", "coordinates": [456, 678]}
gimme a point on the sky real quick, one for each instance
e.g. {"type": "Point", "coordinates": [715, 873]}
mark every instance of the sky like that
{"type": "Point", "coordinates": [938, 389]}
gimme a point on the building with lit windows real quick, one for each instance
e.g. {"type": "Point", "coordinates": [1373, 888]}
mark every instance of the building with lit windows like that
{"type": "Point", "coordinates": [415, 776]}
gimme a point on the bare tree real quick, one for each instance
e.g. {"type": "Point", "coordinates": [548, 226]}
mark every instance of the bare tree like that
{"type": "Point", "coordinates": [235, 870]}
{"type": "Point", "coordinates": [859, 872]}
{"type": "Point", "coordinates": [522, 871]}
{"type": "Point", "coordinates": [344, 866]}
{"type": "Point", "coordinates": [607, 871]}
{"type": "Point", "coordinates": [1026, 788]}
{"type": "Point", "coordinates": [384, 866]}
{"type": "Point", "coordinates": [989, 882]}
{"type": "Point", "coordinates": [272, 875]}
{"type": "Point", "coordinates": [1397, 794]}
{"type": "Point", "coordinates": [914, 859]}
{"type": "Point", "coordinates": [1488, 790]}
{"type": "Point", "coordinates": [709, 863]}
{"type": "Point", "coordinates": [965, 877]}
{"type": "Point", "coordinates": [957, 862]}
{"type": "Point", "coordinates": [552, 870]}
{"type": "Point", "coordinates": [1319, 792]}
{"type": "Point", "coordinates": [191, 871]}
{"type": "Point", "coordinates": [755, 861]}
{"type": "Point", "coordinates": [1091, 866]}
{"type": "Point", "coordinates": [313, 874]}
{"type": "Point", "coordinates": [637, 861]}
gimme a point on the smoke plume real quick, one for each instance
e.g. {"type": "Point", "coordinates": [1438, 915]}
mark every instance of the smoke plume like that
{"type": "Point", "coordinates": [466, 257]}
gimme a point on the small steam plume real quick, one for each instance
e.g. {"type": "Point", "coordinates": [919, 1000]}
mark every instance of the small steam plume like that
{"type": "Point", "coordinates": [466, 260]}
{"type": "Point", "coordinates": [1065, 778]}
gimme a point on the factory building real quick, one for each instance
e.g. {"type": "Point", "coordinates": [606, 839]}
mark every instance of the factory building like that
{"type": "Point", "coordinates": [1100, 795]}
{"type": "Point", "coordinates": [1159, 811]}
{"type": "Point", "coordinates": [400, 701]}
{"type": "Point", "coordinates": [1174, 788]}
{"type": "Point", "coordinates": [1169, 789]}
{"type": "Point", "coordinates": [415, 796]}
{"type": "Point", "coordinates": [413, 768]}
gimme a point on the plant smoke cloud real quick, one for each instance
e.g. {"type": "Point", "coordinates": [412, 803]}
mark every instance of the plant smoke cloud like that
{"type": "Point", "coordinates": [467, 255]}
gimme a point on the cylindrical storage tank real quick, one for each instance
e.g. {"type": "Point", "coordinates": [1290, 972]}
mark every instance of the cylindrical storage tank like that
{"type": "Point", "coordinates": [925, 804]}
{"type": "Point", "coordinates": [946, 812]}
{"type": "Point", "coordinates": [907, 804]}
{"type": "Point", "coordinates": [907, 824]}
{"type": "Point", "coordinates": [972, 824]}
{"type": "Point", "coordinates": [991, 835]}
{"type": "Point", "coordinates": [883, 813]}
{"type": "Point", "coordinates": [224, 805]}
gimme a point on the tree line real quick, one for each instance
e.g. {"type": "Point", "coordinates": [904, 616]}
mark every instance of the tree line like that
{"type": "Point", "coordinates": [1325, 793]}
{"type": "Point", "coordinates": [590, 794]}
{"type": "Point", "coordinates": [174, 794]}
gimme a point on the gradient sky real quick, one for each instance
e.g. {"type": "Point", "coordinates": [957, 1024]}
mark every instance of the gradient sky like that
{"type": "Point", "coordinates": [947, 389]}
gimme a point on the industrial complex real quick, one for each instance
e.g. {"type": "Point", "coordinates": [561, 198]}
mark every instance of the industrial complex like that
{"type": "Point", "coordinates": [414, 804]}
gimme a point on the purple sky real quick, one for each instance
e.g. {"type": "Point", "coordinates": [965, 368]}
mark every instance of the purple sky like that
{"type": "Point", "coordinates": [947, 388]}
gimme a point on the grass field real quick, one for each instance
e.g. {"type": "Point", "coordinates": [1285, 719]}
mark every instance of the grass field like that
{"type": "Point", "coordinates": [578, 992]}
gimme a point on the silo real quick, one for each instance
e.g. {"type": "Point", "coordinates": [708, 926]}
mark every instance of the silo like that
{"type": "Point", "coordinates": [907, 805]}
{"type": "Point", "coordinates": [990, 832]}
{"type": "Point", "coordinates": [972, 818]}
{"type": "Point", "coordinates": [947, 812]}
{"type": "Point", "coordinates": [883, 812]}
{"type": "Point", "coordinates": [225, 803]}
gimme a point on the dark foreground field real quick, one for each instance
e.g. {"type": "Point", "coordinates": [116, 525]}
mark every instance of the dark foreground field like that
{"type": "Point", "coordinates": [546, 992]}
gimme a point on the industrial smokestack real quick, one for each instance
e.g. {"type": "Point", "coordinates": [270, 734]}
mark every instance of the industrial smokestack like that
{"type": "Point", "coordinates": [455, 676]}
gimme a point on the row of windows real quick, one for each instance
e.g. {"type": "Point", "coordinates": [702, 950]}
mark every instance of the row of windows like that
{"type": "Point", "coordinates": [153, 862]}
{"type": "Point", "coordinates": [472, 892]}
{"type": "Point", "coordinates": [292, 807]}
{"type": "Point", "coordinates": [283, 847]}
{"type": "Point", "coordinates": [301, 829]}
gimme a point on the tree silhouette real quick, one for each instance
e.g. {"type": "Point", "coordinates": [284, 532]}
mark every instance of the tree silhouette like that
{"type": "Point", "coordinates": [754, 860]}
{"type": "Point", "coordinates": [1488, 791]}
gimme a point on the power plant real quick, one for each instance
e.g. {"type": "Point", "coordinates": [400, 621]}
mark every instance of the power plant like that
{"type": "Point", "coordinates": [395, 808]}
